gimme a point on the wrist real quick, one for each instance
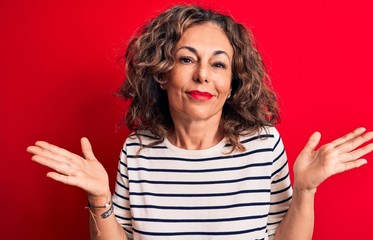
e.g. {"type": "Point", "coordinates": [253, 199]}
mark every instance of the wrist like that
{"type": "Point", "coordinates": [99, 200]}
{"type": "Point", "coordinates": [304, 191]}
{"type": "Point", "coordinates": [302, 185]}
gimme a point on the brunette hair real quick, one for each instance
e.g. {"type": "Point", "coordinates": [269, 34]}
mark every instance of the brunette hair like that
{"type": "Point", "coordinates": [149, 55]}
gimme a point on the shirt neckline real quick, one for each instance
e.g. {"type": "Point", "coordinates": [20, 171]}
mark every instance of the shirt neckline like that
{"type": "Point", "coordinates": [217, 147]}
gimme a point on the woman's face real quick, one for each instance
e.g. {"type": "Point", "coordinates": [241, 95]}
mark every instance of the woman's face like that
{"type": "Point", "coordinates": [200, 81]}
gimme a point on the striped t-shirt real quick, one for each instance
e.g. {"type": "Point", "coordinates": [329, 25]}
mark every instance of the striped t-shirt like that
{"type": "Point", "coordinates": [165, 192]}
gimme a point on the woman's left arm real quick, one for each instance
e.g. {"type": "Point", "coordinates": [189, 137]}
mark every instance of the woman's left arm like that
{"type": "Point", "coordinates": [311, 168]}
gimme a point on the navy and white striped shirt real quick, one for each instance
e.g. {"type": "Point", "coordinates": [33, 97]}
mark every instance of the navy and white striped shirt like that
{"type": "Point", "coordinates": [165, 192]}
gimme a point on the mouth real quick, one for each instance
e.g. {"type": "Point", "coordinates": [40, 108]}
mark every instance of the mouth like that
{"type": "Point", "coordinates": [200, 95]}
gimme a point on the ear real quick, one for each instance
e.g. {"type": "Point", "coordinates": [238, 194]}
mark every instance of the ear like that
{"type": "Point", "coordinates": [229, 94]}
{"type": "Point", "coordinates": [163, 80]}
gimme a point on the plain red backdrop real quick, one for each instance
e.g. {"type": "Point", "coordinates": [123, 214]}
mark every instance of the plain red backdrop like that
{"type": "Point", "coordinates": [59, 69]}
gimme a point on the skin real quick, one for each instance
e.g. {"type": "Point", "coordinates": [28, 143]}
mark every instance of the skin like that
{"type": "Point", "coordinates": [203, 63]}
{"type": "Point", "coordinates": [197, 118]}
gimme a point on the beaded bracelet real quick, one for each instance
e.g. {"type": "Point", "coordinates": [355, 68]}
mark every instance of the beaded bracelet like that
{"type": "Point", "coordinates": [102, 215]}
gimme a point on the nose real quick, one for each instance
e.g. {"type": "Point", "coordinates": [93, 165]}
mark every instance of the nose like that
{"type": "Point", "coordinates": [201, 73]}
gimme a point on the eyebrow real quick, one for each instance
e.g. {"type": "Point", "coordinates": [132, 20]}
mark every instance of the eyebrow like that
{"type": "Point", "coordinates": [193, 50]}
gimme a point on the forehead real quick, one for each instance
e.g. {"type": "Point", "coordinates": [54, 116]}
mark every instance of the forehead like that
{"type": "Point", "coordinates": [206, 37]}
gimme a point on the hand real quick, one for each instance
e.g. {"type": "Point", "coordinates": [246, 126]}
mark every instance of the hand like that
{"type": "Point", "coordinates": [86, 173]}
{"type": "Point", "coordinates": [313, 167]}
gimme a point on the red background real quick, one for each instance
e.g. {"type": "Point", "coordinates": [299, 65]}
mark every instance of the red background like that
{"type": "Point", "coordinates": [59, 69]}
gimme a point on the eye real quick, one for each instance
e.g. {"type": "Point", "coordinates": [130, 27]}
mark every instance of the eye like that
{"type": "Point", "coordinates": [219, 65]}
{"type": "Point", "coordinates": [185, 60]}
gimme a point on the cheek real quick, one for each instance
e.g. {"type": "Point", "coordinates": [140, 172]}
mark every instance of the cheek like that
{"type": "Point", "coordinates": [224, 84]}
{"type": "Point", "coordinates": [176, 78]}
{"type": "Point", "coordinates": [175, 88]}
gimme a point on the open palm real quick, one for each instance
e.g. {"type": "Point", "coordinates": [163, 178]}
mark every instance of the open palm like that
{"type": "Point", "coordinates": [312, 167]}
{"type": "Point", "coordinates": [86, 173]}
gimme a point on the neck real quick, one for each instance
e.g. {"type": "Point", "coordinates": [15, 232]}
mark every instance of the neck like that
{"type": "Point", "coordinates": [196, 135]}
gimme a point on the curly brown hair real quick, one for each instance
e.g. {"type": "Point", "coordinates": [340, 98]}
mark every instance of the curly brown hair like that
{"type": "Point", "coordinates": [150, 54]}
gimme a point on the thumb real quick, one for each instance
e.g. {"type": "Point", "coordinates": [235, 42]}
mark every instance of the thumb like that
{"type": "Point", "coordinates": [312, 142]}
{"type": "Point", "coordinates": [87, 149]}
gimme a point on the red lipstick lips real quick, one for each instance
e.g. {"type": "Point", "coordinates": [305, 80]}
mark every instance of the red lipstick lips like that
{"type": "Point", "coordinates": [200, 95]}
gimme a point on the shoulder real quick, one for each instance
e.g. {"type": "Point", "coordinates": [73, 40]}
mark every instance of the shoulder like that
{"type": "Point", "coordinates": [144, 137]}
{"type": "Point", "coordinates": [265, 133]}
{"type": "Point", "coordinates": [270, 131]}
{"type": "Point", "coordinates": [140, 141]}
{"type": "Point", "coordinates": [266, 137]}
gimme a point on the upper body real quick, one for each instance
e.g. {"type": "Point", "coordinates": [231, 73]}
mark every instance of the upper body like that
{"type": "Point", "coordinates": [211, 111]}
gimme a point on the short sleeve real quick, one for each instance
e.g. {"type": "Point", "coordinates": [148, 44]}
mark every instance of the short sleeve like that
{"type": "Point", "coordinates": [121, 195]}
{"type": "Point", "coordinates": [281, 190]}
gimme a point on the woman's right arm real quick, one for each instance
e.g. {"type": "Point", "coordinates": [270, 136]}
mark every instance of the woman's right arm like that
{"type": "Point", "coordinates": [88, 174]}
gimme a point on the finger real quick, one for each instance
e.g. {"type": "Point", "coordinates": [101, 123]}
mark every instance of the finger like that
{"type": "Point", "coordinates": [69, 180]}
{"type": "Point", "coordinates": [47, 154]}
{"type": "Point", "coordinates": [355, 142]}
{"type": "Point", "coordinates": [352, 164]}
{"type": "Point", "coordinates": [358, 153]}
{"type": "Point", "coordinates": [349, 136]}
{"type": "Point", "coordinates": [58, 166]}
{"type": "Point", "coordinates": [312, 143]}
{"type": "Point", "coordinates": [55, 149]}
{"type": "Point", "coordinates": [87, 149]}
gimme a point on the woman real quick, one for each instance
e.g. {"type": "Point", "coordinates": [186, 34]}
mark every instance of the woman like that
{"type": "Point", "coordinates": [204, 161]}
